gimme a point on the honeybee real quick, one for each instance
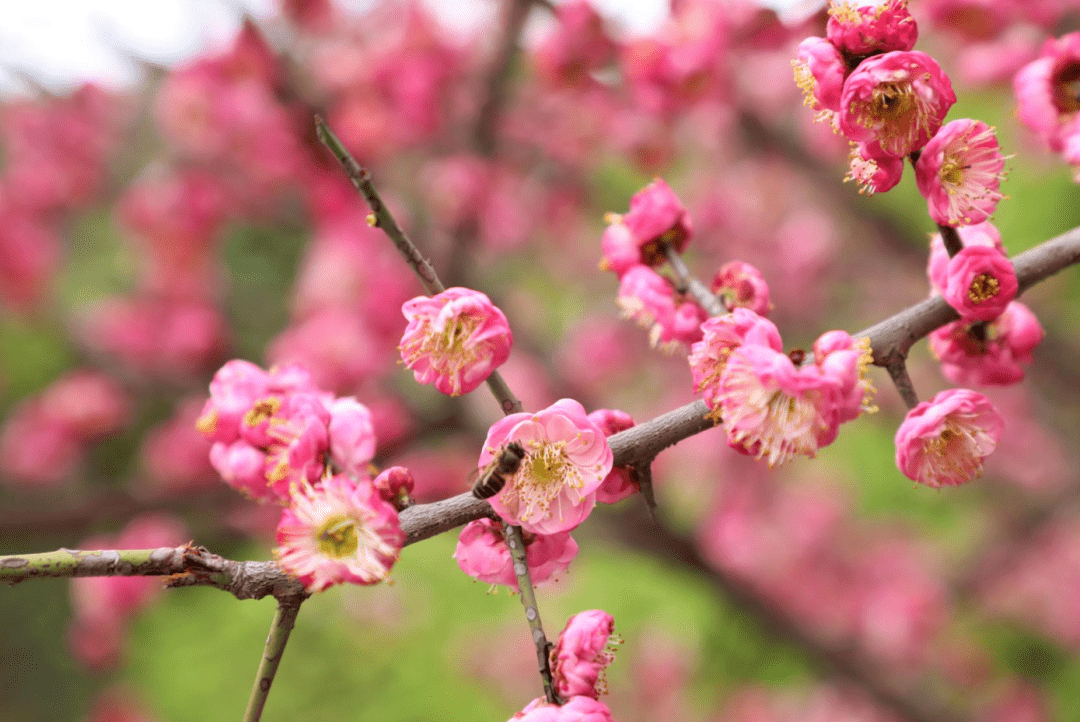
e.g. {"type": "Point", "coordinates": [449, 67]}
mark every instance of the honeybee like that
{"type": "Point", "coordinates": [493, 477]}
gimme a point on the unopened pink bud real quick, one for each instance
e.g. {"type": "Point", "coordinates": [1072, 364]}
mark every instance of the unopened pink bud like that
{"type": "Point", "coordinates": [740, 284]}
{"type": "Point", "coordinates": [981, 282]}
{"type": "Point", "coordinates": [582, 654]}
{"type": "Point", "coordinates": [619, 484]}
{"type": "Point", "coordinates": [396, 485]}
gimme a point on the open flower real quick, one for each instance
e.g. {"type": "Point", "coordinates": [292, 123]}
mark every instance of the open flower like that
{"type": "Point", "coordinates": [454, 340]}
{"type": "Point", "coordinates": [566, 459]}
{"type": "Point", "coordinates": [582, 653]}
{"type": "Point", "coordinates": [656, 217]}
{"type": "Point", "coordinates": [649, 299]}
{"type": "Point", "coordinates": [937, 264]}
{"type": "Point", "coordinates": [819, 73]}
{"type": "Point", "coordinates": [981, 282]}
{"type": "Point", "coordinates": [959, 172]}
{"type": "Point", "coordinates": [722, 335]}
{"type": "Point", "coordinates": [872, 170]}
{"type": "Point", "coordinates": [482, 553]}
{"type": "Point", "coordinates": [898, 99]}
{"type": "Point", "coordinates": [338, 531]}
{"type": "Point", "coordinates": [774, 410]}
{"type": "Point", "coordinates": [943, 442]}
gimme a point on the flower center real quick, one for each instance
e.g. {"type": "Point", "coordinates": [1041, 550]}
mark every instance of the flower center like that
{"type": "Point", "coordinates": [1067, 88]}
{"type": "Point", "coordinates": [892, 102]}
{"type": "Point", "coordinates": [984, 287]}
{"type": "Point", "coordinates": [544, 474]}
{"type": "Point", "coordinates": [262, 410]}
{"type": "Point", "coordinates": [337, 537]}
{"type": "Point", "coordinates": [952, 173]}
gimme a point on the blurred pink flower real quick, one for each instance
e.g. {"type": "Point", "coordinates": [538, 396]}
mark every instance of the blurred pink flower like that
{"type": "Point", "coordinates": [576, 709]}
{"type": "Point", "coordinates": [482, 553]}
{"type": "Point", "coordinates": [738, 283]}
{"type": "Point", "coordinates": [868, 27]}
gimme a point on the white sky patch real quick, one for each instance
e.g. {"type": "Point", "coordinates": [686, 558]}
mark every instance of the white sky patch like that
{"type": "Point", "coordinates": [59, 44]}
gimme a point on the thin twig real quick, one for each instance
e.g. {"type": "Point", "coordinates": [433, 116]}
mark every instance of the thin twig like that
{"type": "Point", "coordinates": [280, 628]}
{"type": "Point", "coordinates": [951, 238]}
{"type": "Point", "coordinates": [516, 543]}
{"type": "Point", "coordinates": [897, 369]}
{"type": "Point", "coordinates": [384, 220]}
{"type": "Point", "coordinates": [698, 291]}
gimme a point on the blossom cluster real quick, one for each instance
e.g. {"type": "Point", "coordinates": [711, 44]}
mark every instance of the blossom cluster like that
{"type": "Point", "coordinates": [278, 438]}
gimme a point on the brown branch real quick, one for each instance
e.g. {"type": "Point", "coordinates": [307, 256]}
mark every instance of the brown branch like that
{"type": "Point", "coordinates": [697, 290]}
{"type": "Point", "coordinates": [484, 137]}
{"type": "Point", "coordinates": [897, 369]}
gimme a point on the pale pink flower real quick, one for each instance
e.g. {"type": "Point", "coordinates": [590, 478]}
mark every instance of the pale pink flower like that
{"type": "Point", "coordinates": [338, 531]}
{"type": "Point", "coordinates": [482, 553]}
{"type": "Point", "coordinates": [454, 340]}
{"type": "Point", "coordinates": [722, 335]}
{"type": "Point", "coordinates": [582, 654]}
{"type": "Point", "coordinates": [898, 99]}
{"type": "Point", "coordinates": [656, 217]}
{"type": "Point", "coordinates": [981, 282]}
{"type": "Point", "coordinates": [872, 170]}
{"type": "Point", "coordinates": [997, 356]}
{"type": "Point", "coordinates": [576, 709]}
{"type": "Point", "coordinates": [352, 435]}
{"type": "Point", "coordinates": [819, 72]}
{"type": "Point", "coordinates": [396, 485]}
{"type": "Point", "coordinates": [619, 484]}
{"type": "Point", "coordinates": [649, 299]}
{"type": "Point", "coordinates": [737, 283]}
{"type": "Point", "coordinates": [867, 27]}
{"type": "Point", "coordinates": [773, 410]}
{"type": "Point", "coordinates": [566, 459]}
{"type": "Point", "coordinates": [980, 234]}
{"type": "Point", "coordinates": [944, 441]}
{"type": "Point", "coordinates": [959, 172]}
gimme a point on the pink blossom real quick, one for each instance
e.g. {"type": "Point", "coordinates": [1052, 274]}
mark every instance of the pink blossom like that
{"type": "Point", "coordinates": [582, 653]}
{"type": "Point", "coordinates": [981, 282]}
{"type": "Point", "coordinates": [576, 709]}
{"type": "Point", "coordinates": [872, 170]}
{"type": "Point", "coordinates": [738, 283]}
{"type": "Point", "coordinates": [30, 253]}
{"type": "Point", "coordinates": [174, 455]}
{"type": "Point", "coordinates": [996, 356]}
{"type": "Point", "coordinates": [482, 553]}
{"type": "Point", "coordinates": [980, 234]}
{"type": "Point", "coordinates": [819, 72]}
{"type": "Point", "coordinates": [577, 46]}
{"type": "Point", "coordinates": [454, 340]}
{"type": "Point", "coordinates": [336, 345]}
{"type": "Point", "coordinates": [619, 484]}
{"type": "Point", "coordinates": [395, 485]}
{"type": "Point", "coordinates": [867, 27]}
{"type": "Point", "coordinates": [772, 409]}
{"type": "Point", "coordinates": [657, 216]}
{"type": "Point", "coordinates": [89, 404]}
{"type": "Point", "coordinates": [649, 299]}
{"type": "Point", "coordinates": [567, 458]}
{"type": "Point", "coordinates": [352, 435]}
{"type": "Point", "coordinates": [35, 450]}
{"type": "Point", "coordinates": [243, 467]}
{"type": "Point", "coordinates": [1045, 92]}
{"type": "Point", "coordinates": [338, 531]}
{"type": "Point", "coordinates": [898, 99]}
{"type": "Point", "coordinates": [944, 441]}
{"type": "Point", "coordinates": [959, 172]}
{"type": "Point", "coordinates": [845, 361]}
{"type": "Point", "coordinates": [722, 335]}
